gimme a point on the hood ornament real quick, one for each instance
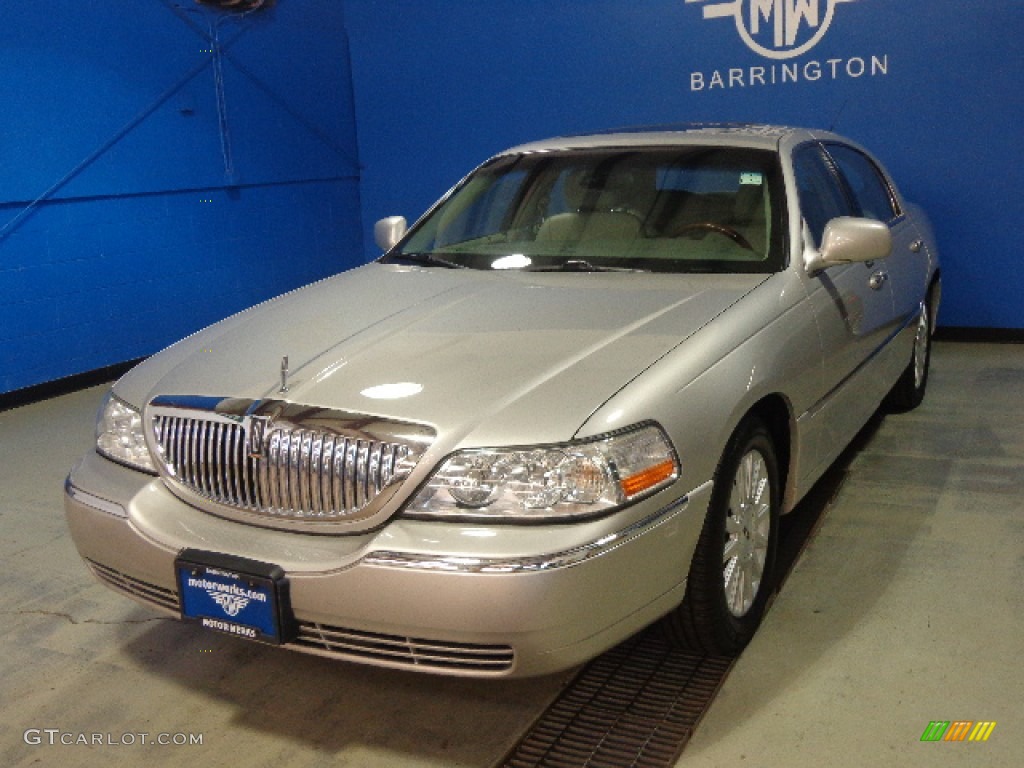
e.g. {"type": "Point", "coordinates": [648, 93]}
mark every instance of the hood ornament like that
{"type": "Point", "coordinates": [284, 375]}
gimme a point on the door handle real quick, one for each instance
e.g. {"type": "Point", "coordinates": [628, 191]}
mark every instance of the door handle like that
{"type": "Point", "coordinates": [877, 280]}
{"type": "Point", "coordinates": [916, 246]}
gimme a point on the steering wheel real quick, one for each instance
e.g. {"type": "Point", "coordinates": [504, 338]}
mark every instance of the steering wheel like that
{"type": "Point", "coordinates": [721, 229]}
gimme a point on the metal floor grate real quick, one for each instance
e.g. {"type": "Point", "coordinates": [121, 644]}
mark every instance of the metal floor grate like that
{"type": "Point", "coordinates": [634, 706]}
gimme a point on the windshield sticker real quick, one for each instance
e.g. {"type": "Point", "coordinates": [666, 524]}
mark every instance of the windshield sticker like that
{"type": "Point", "coordinates": [751, 179]}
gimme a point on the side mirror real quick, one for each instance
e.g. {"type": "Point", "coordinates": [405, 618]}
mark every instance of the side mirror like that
{"type": "Point", "coordinates": [848, 240]}
{"type": "Point", "coordinates": [387, 232]}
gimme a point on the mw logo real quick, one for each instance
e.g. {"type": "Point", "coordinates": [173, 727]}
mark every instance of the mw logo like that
{"type": "Point", "coordinates": [776, 29]}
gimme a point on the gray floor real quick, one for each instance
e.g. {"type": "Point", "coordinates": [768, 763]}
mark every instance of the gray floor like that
{"type": "Point", "coordinates": [905, 608]}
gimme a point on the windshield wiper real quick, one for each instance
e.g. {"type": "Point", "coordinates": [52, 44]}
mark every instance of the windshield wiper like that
{"type": "Point", "coordinates": [426, 259]}
{"type": "Point", "coordinates": [580, 265]}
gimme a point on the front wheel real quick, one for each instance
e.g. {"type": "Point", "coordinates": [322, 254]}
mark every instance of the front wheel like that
{"type": "Point", "coordinates": [731, 575]}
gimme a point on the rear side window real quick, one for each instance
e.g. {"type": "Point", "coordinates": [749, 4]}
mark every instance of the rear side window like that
{"type": "Point", "coordinates": [869, 188]}
{"type": "Point", "coordinates": [821, 197]}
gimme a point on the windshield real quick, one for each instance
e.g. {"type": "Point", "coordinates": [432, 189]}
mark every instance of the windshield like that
{"type": "Point", "coordinates": [688, 209]}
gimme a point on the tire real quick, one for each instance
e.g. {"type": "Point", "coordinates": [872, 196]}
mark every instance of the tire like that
{"type": "Point", "coordinates": [736, 548]}
{"type": "Point", "coordinates": [908, 391]}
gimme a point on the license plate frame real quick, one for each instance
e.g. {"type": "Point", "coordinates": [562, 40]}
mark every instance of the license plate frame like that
{"type": "Point", "coordinates": [234, 596]}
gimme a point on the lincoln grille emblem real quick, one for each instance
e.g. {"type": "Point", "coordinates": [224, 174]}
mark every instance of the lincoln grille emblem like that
{"type": "Point", "coordinates": [257, 431]}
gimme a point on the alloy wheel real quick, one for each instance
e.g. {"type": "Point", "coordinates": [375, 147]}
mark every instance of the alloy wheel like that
{"type": "Point", "coordinates": [747, 531]}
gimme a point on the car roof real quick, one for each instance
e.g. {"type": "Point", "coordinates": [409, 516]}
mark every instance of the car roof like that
{"type": "Point", "coordinates": [722, 134]}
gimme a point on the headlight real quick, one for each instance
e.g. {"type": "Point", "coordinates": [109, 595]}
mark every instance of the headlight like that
{"type": "Point", "coordinates": [549, 482]}
{"type": "Point", "coordinates": [119, 435]}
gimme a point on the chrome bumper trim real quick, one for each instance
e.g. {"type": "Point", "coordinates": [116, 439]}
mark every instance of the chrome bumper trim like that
{"type": "Point", "coordinates": [103, 505]}
{"type": "Point", "coordinates": [546, 562]}
{"type": "Point", "coordinates": [404, 652]}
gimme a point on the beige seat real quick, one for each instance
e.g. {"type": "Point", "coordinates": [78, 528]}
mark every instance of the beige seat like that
{"type": "Point", "coordinates": [601, 207]}
{"type": "Point", "coordinates": [593, 225]}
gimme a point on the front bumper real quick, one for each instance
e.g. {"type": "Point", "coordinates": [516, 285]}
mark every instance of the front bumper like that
{"type": "Point", "coordinates": [475, 600]}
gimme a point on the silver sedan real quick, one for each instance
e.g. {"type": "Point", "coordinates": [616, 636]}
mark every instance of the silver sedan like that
{"type": "Point", "coordinates": [572, 400]}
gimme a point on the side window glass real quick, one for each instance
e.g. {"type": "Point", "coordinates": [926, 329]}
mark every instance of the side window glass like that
{"type": "Point", "coordinates": [821, 198]}
{"type": "Point", "coordinates": [865, 181]}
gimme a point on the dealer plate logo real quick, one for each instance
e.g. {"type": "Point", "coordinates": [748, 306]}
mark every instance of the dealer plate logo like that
{"type": "Point", "coordinates": [776, 29]}
{"type": "Point", "coordinates": [231, 604]}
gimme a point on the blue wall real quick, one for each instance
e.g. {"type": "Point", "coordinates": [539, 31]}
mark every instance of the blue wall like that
{"type": "Point", "coordinates": [935, 87]}
{"type": "Point", "coordinates": [133, 210]}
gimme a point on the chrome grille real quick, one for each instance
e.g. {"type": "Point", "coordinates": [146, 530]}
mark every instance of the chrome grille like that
{"type": "Point", "coordinates": [209, 457]}
{"type": "Point", "coordinates": [280, 459]}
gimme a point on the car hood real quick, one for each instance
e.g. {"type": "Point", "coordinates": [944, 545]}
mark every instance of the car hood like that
{"type": "Point", "coordinates": [482, 357]}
